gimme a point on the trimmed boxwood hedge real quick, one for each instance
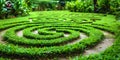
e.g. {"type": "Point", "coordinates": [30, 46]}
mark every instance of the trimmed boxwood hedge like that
{"type": "Point", "coordinates": [49, 44]}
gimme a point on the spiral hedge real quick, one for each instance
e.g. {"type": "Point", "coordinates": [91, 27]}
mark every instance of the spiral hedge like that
{"type": "Point", "coordinates": [50, 41]}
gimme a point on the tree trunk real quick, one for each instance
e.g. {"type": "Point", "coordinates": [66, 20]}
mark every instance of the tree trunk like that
{"type": "Point", "coordinates": [107, 5]}
{"type": "Point", "coordinates": [95, 6]}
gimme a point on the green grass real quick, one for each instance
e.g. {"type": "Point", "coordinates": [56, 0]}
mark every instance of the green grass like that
{"type": "Point", "coordinates": [48, 44]}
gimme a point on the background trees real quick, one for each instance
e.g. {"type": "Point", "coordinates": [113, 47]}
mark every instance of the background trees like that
{"type": "Point", "coordinates": [2, 10]}
{"type": "Point", "coordinates": [81, 6]}
{"type": "Point", "coordinates": [22, 7]}
{"type": "Point", "coordinates": [100, 6]}
{"type": "Point", "coordinates": [19, 7]}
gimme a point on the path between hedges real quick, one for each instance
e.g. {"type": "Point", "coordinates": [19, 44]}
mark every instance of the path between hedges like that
{"type": "Point", "coordinates": [1, 37]}
{"type": "Point", "coordinates": [82, 36]}
{"type": "Point", "coordinates": [103, 45]}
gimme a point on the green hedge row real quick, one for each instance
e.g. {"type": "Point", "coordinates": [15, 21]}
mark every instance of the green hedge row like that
{"type": "Point", "coordinates": [74, 24]}
{"type": "Point", "coordinates": [29, 34]}
{"type": "Point", "coordinates": [9, 49]}
{"type": "Point", "coordinates": [111, 53]}
{"type": "Point", "coordinates": [11, 36]}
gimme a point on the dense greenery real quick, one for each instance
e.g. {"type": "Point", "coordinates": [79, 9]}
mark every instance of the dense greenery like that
{"type": "Point", "coordinates": [1, 8]}
{"type": "Point", "coordinates": [22, 7]}
{"type": "Point", "coordinates": [48, 43]}
{"type": "Point", "coordinates": [80, 6]}
{"type": "Point", "coordinates": [42, 4]}
{"type": "Point", "coordinates": [103, 6]}
{"type": "Point", "coordinates": [19, 7]}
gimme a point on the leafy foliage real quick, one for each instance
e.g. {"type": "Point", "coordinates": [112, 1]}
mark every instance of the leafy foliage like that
{"type": "Point", "coordinates": [103, 6]}
{"type": "Point", "coordinates": [2, 10]}
{"type": "Point", "coordinates": [42, 4]}
{"type": "Point", "coordinates": [80, 6]}
{"type": "Point", "coordinates": [19, 8]}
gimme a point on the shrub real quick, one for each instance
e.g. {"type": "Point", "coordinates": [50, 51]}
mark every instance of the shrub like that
{"type": "Point", "coordinates": [20, 7]}
{"type": "Point", "coordinates": [2, 10]}
{"type": "Point", "coordinates": [103, 6]}
{"type": "Point", "coordinates": [80, 6]}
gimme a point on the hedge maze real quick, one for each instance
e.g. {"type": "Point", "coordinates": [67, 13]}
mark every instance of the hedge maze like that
{"type": "Point", "coordinates": [53, 35]}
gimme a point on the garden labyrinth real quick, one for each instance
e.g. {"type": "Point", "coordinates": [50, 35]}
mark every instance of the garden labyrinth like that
{"type": "Point", "coordinates": [55, 36]}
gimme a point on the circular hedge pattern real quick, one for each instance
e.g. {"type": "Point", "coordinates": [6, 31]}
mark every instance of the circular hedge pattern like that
{"type": "Point", "coordinates": [49, 39]}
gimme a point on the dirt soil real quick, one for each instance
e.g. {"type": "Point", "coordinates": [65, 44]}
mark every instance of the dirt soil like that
{"type": "Point", "coordinates": [20, 33]}
{"type": "Point", "coordinates": [82, 36]}
{"type": "Point", "coordinates": [1, 37]}
{"type": "Point", "coordinates": [103, 45]}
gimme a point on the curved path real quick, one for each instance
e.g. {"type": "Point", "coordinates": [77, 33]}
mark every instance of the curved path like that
{"type": "Point", "coordinates": [103, 45]}
{"type": "Point", "coordinates": [100, 47]}
{"type": "Point", "coordinates": [1, 37]}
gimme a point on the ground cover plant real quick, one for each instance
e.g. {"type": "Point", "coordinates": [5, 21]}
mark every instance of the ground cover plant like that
{"type": "Point", "coordinates": [56, 35]}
